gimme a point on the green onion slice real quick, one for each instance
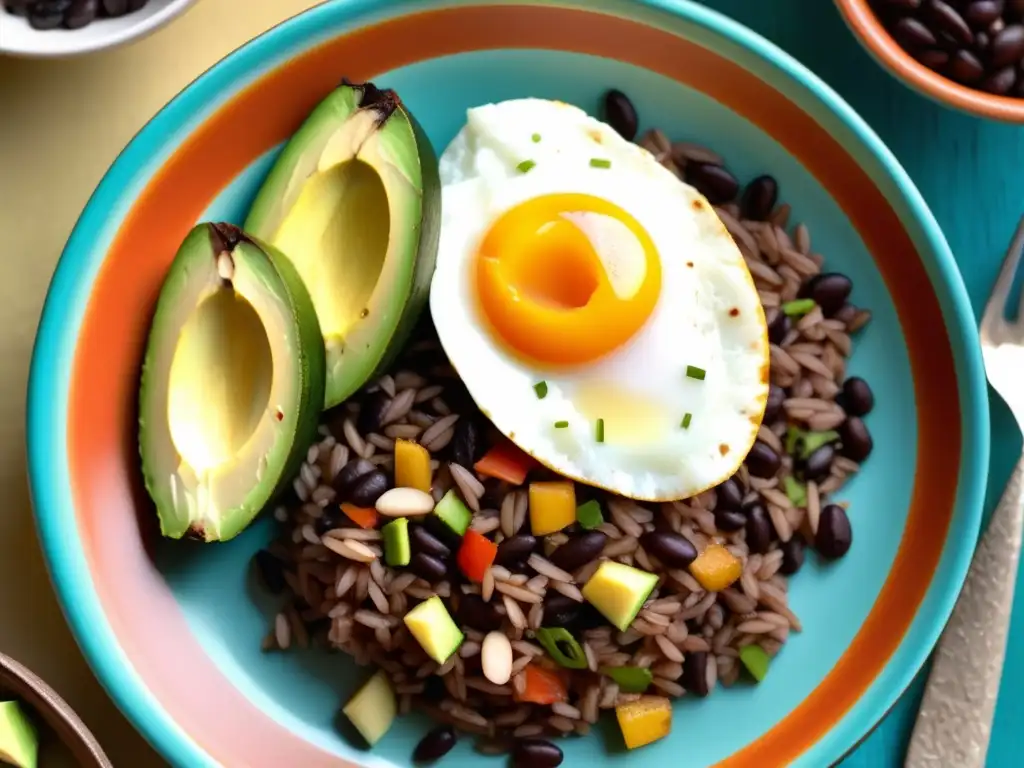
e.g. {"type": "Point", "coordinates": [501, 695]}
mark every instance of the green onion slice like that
{"type": "Point", "coordinates": [802, 444]}
{"type": "Point", "coordinates": [795, 490]}
{"type": "Point", "coordinates": [600, 162]}
{"type": "Point", "coordinates": [600, 431]}
{"type": "Point", "coordinates": [693, 372]}
{"type": "Point", "coordinates": [798, 307]}
{"type": "Point", "coordinates": [524, 166]}
{"type": "Point", "coordinates": [536, 138]}
{"type": "Point", "coordinates": [561, 424]}
{"type": "Point", "coordinates": [541, 388]}
{"type": "Point", "coordinates": [630, 679]}
{"type": "Point", "coordinates": [562, 647]}
{"type": "Point", "coordinates": [686, 421]}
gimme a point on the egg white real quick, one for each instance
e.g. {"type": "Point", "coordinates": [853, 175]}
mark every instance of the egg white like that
{"type": "Point", "coordinates": [708, 314]}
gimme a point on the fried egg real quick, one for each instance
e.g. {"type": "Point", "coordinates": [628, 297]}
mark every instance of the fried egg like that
{"type": "Point", "coordinates": [594, 305]}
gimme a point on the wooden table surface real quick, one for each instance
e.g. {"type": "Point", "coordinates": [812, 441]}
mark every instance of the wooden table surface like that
{"type": "Point", "coordinates": [63, 122]}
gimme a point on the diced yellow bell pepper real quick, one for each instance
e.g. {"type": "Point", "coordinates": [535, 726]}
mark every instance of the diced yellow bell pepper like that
{"type": "Point", "coordinates": [412, 466]}
{"type": "Point", "coordinates": [647, 719]}
{"type": "Point", "coordinates": [552, 506]}
{"type": "Point", "coordinates": [716, 568]}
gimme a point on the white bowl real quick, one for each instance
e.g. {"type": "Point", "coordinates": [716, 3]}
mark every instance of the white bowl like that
{"type": "Point", "coordinates": [18, 38]}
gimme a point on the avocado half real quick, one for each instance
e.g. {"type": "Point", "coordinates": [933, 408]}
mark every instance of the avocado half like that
{"type": "Point", "coordinates": [354, 202]}
{"type": "Point", "coordinates": [232, 383]}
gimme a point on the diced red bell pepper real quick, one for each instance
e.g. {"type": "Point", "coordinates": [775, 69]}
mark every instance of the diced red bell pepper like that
{"type": "Point", "coordinates": [476, 554]}
{"type": "Point", "coordinates": [506, 461]}
{"type": "Point", "coordinates": [364, 517]}
{"type": "Point", "coordinates": [543, 686]}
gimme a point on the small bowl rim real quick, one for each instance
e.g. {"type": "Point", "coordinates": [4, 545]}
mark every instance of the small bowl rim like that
{"type": "Point", "coordinates": [93, 43]}
{"type": "Point", "coordinates": [56, 713]}
{"type": "Point", "coordinates": [868, 29]}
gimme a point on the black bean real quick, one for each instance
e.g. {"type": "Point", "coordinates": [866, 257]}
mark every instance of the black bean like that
{"type": "Point", "coordinates": [945, 17]}
{"type": "Point", "coordinates": [1015, 8]}
{"type": "Point", "coordinates": [372, 412]}
{"type": "Point", "coordinates": [763, 461]}
{"type": "Point", "coordinates": [981, 42]}
{"type": "Point", "coordinates": [434, 689]}
{"type": "Point", "coordinates": [779, 326]}
{"type": "Point", "coordinates": [136, 5]}
{"type": "Point", "coordinates": [1007, 46]}
{"type": "Point", "coordinates": [672, 549]}
{"type": "Point", "coordinates": [331, 518]}
{"type": "Point", "coordinates": [435, 745]}
{"type": "Point", "coordinates": [857, 399]}
{"type": "Point", "coordinates": [834, 535]}
{"type": "Point", "coordinates": [536, 753]}
{"type": "Point", "coordinates": [729, 495]}
{"type": "Point", "coordinates": [115, 7]}
{"type": "Point", "coordinates": [467, 442]}
{"type": "Point", "coordinates": [271, 571]}
{"type": "Point", "coordinates": [981, 13]}
{"type": "Point", "coordinates": [855, 438]}
{"type": "Point", "coordinates": [818, 465]}
{"type": "Point", "coordinates": [965, 67]}
{"type": "Point", "coordinates": [476, 614]}
{"type": "Point", "coordinates": [428, 567]}
{"type": "Point", "coordinates": [913, 34]}
{"type": "Point", "coordinates": [349, 474]}
{"type": "Point", "coordinates": [1001, 81]}
{"type": "Point", "coordinates": [792, 556]}
{"type": "Point", "coordinates": [714, 182]}
{"type": "Point", "coordinates": [773, 404]}
{"type": "Point", "coordinates": [16, 7]}
{"type": "Point", "coordinates": [933, 58]}
{"type": "Point", "coordinates": [515, 549]}
{"type": "Point", "coordinates": [369, 488]}
{"type": "Point", "coordinates": [695, 673]}
{"type": "Point", "coordinates": [559, 610]}
{"type": "Point", "coordinates": [729, 520]}
{"type": "Point", "coordinates": [579, 550]}
{"type": "Point", "coordinates": [829, 291]}
{"type": "Point", "coordinates": [759, 198]}
{"type": "Point", "coordinates": [620, 114]}
{"type": "Point", "coordinates": [46, 14]}
{"type": "Point", "coordinates": [424, 541]}
{"type": "Point", "coordinates": [760, 531]}
{"type": "Point", "coordinates": [81, 13]}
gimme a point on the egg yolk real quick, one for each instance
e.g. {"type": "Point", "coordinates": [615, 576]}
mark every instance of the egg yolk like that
{"type": "Point", "coordinates": [567, 278]}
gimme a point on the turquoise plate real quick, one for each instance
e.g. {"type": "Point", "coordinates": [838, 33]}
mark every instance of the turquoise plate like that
{"type": "Point", "coordinates": [173, 629]}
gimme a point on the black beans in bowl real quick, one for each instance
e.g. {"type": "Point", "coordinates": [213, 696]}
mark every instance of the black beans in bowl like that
{"type": "Point", "coordinates": [45, 15]}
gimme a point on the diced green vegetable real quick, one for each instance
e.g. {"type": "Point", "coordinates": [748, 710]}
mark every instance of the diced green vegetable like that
{"type": "Point", "coordinates": [798, 307]}
{"type": "Point", "coordinates": [756, 660]}
{"type": "Point", "coordinates": [525, 166]}
{"type": "Point", "coordinates": [562, 647]}
{"type": "Point", "coordinates": [453, 512]}
{"type": "Point", "coordinates": [792, 439]}
{"type": "Point", "coordinates": [802, 444]}
{"type": "Point", "coordinates": [795, 490]}
{"type": "Point", "coordinates": [618, 591]}
{"type": "Point", "coordinates": [372, 710]}
{"type": "Point", "coordinates": [629, 679]}
{"type": "Point", "coordinates": [693, 372]}
{"type": "Point", "coordinates": [686, 421]}
{"type": "Point", "coordinates": [541, 388]}
{"type": "Point", "coordinates": [600, 162]}
{"type": "Point", "coordinates": [599, 431]}
{"type": "Point", "coordinates": [536, 138]}
{"type": "Point", "coordinates": [435, 631]}
{"type": "Point", "coordinates": [396, 542]}
{"type": "Point", "coordinates": [561, 424]}
{"type": "Point", "coordinates": [588, 515]}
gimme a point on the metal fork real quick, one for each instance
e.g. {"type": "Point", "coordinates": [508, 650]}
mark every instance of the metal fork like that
{"type": "Point", "coordinates": [954, 724]}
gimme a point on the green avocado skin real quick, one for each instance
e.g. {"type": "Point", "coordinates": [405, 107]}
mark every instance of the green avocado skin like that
{"type": "Point", "coordinates": [415, 159]}
{"type": "Point", "coordinates": [159, 460]}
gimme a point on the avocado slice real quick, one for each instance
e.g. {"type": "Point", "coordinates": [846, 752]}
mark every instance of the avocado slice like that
{"type": "Point", "coordinates": [354, 201]}
{"type": "Point", "coordinates": [618, 591]}
{"type": "Point", "coordinates": [433, 627]}
{"type": "Point", "coordinates": [372, 710]}
{"type": "Point", "coordinates": [232, 383]}
{"type": "Point", "coordinates": [19, 743]}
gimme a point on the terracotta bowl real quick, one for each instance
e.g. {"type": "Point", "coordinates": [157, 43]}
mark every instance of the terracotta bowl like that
{"type": "Point", "coordinates": [63, 736]}
{"type": "Point", "coordinates": [867, 27]}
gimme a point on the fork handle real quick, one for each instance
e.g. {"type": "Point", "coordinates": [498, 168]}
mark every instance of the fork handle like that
{"type": "Point", "coordinates": [954, 723]}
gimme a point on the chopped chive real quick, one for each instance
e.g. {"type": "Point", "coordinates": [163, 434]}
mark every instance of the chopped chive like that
{"type": "Point", "coordinates": [524, 166]}
{"type": "Point", "coordinates": [536, 138]}
{"type": "Point", "coordinates": [693, 372]}
{"type": "Point", "coordinates": [541, 388]}
{"type": "Point", "coordinates": [561, 424]}
{"type": "Point", "coordinates": [600, 162]}
{"type": "Point", "coordinates": [600, 430]}
{"type": "Point", "coordinates": [686, 421]}
{"type": "Point", "coordinates": [798, 307]}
